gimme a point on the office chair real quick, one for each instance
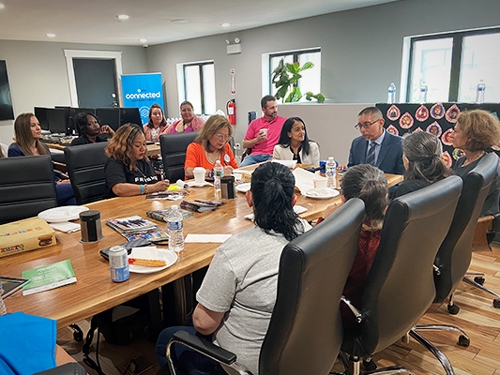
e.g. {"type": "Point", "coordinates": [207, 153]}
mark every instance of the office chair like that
{"type": "Point", "coordinates": [305, 329]}
{"type": "Point", "coordinates": [454, 255]}
{"type": "Point", "coordinates": [26, 187]}
{"type": "Point", "coordinates": [85, 164]}
{"type": "Point", "coordinates": [173, 153]}
{"type": "Point", "coordinates": [400, 285]}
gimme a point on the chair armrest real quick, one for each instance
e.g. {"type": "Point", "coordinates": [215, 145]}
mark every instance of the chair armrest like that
{"type": "Point", "coordinates": [204, 347]}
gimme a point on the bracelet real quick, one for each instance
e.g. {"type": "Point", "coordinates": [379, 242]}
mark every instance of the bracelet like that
{"type": "Point", "coordinates": [142, 188]}
{"type": "Point", "coordinates": [147, 188]}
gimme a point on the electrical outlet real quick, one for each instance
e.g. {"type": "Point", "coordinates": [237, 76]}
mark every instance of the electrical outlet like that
{"type": "Point", "coordinates": [237, 146]}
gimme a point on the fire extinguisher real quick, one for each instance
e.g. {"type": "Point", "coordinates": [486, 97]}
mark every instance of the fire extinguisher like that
{"type": "Point", "coordinates": [231, 111]}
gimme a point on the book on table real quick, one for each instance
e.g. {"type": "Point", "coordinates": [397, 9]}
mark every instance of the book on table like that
{"type": "Point", "coordinates": [136, 227]}
{"type": "Point", "coordinates": [49, 277]}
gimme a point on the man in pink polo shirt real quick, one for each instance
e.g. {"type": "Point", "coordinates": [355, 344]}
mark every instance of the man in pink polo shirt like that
{"type": "Point", "coordinates": [263, 133]}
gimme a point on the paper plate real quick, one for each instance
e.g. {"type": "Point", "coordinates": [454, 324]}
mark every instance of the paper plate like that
{"type": "Point", "coordinates": [169, 256]}
{"type": "Point", "coordinates": [61, 214]}
{"type": "Point", "coordinates": [330, 194]}
{"type": "Point", "coordinates": [243, 188]}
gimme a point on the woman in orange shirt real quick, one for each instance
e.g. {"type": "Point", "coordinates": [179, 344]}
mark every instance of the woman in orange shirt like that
{"type": "Point", "coordinates": [209, 146]}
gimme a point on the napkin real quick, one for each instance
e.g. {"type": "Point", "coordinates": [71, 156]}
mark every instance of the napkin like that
{"type": "Point", "coordinates": [297, 209]}
{"type": "Point", "coordinates": [303, 179]}
{"type": "Point", "coordinates": [66, 226]}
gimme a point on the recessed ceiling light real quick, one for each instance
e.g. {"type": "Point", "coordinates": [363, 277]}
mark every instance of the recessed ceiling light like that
{"type": "Point", "coordinates": [123, 17]}
{"type": "Point", "coordinates": [179, 20]}
{"type": "Point", "coordinates": [225, 24]}
{"type": "Point", "coordinates": [2, 6]}
{"type": "Point", "coordinates": [143, 40]}
{"type": "Point", "coordinates": [51, 35]}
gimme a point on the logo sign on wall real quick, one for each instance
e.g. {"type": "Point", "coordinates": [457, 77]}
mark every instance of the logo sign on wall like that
{"type": "Point", "coordinates": [142, 91]}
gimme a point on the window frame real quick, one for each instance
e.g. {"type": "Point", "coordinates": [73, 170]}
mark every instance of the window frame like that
{"type": "Point", "coordinates": [200, 66]}
{"type": "Point", "coordinates": [456, 58]}
{"type": "Point", "coordinates": [295, 54]}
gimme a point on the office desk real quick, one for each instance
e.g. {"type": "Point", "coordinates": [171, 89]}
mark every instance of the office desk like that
{"type": "Point", "coordinates": [94, 291]}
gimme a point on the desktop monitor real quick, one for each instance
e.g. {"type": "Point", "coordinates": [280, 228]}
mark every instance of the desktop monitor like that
{"type": "Point", "coordinates": [109, 116]}
{"type": "Point", "coordinates": [41, 115]}
{"type": "Point", "coordinates": [130, 115]}
{"type": "Point", "coordinates": [56, 117]}
{"type": "Point", "coordinates": [68, 119]}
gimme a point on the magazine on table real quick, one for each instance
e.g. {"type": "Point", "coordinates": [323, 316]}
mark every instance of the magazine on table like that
{"type": "Point", "coordinates": [135, 227]}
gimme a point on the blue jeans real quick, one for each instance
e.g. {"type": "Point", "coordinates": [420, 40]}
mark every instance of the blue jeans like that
{"type": "Point", "coordinates": [186, 361]}
{"type": "Point", "coordinates": [254, 159]}
{"type": "Point", "coordinates": [65, 195]}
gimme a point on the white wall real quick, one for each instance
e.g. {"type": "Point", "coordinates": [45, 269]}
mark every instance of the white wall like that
{"type": "Point", "coordinates": [38, 77]}
{"type": "Point", "coordinates": [361, 50]}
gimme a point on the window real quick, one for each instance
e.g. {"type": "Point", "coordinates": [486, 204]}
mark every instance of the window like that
{"type": "Point", "coordinates": [199, 86]}
{"type": "Point", "coordinates": [452, 65]}
{"type": "Point", "coordinates": [311, 78]}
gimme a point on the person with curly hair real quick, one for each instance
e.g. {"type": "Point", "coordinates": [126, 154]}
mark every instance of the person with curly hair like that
{"type": "Point", "coordinates": [128, 171]}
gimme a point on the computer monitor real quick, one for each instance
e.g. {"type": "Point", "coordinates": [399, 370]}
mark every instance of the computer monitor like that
{"type": "Point", "coordinates": [56, 117]}
{"type": "Point", "coordinates": [41, 115]}
{"type": "Point", "coordinates": [68, 119]}
{"type": "Point", "coordinates": [109, 116]}
{"type": "Point", "coordinates": [130, 115]}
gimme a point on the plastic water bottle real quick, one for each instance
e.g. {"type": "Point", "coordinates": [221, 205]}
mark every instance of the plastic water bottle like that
{"type": "Point", "coordinates": [481, 88]}
{"type": "Point", "coordinates": [423, 93]}
{"type": "Point", "coordinates": [175, 229]}
{"type": "Point", "coordinates": [391, 93]}
{"type": "Point", "coordinates": [218, 174]}
{"type": "Point", "coordinates": [331, 172]}
{"type": "Point", "coordinates": [3, 309]}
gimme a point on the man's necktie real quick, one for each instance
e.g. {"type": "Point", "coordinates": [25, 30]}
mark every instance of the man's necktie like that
{"type": "Point", "coordinates": [370, 158]}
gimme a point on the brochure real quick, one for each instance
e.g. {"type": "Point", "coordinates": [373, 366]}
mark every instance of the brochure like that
{"type": "Point", "coordinates": [49, 277]}
{"type": "Point", "coordinates": [135, 227]}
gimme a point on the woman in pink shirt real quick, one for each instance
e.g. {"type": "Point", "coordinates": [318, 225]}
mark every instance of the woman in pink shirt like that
{"type": "Point", "coordinates": [189, 122]}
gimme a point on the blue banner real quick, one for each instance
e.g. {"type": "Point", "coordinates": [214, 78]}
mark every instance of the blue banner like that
{"type": "Point", "coordinates": [142, 91]}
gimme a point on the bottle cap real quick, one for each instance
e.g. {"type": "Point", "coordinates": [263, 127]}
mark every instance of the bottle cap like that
{"type": "Point", "coordinates": [175, 207]}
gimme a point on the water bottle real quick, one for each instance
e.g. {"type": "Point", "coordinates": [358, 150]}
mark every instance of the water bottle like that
{"type": "Point", "coordinates": [331, 172]}
{"type": "Point", "coordinates": [175, 229]}
{"type": "Point", "coordinates": [481, 88]}
{"type": "Point", "coordinates": [218, 174]}
{"type": "Point", "coordinates": [423, 93]}
{"type": "Point", "coordinates": [3, 309]}
{"type": "Point", "coordinates": [391, 93]}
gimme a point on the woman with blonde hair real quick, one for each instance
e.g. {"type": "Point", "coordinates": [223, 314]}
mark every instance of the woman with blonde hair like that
{"type": "Point", "coordinates": [128, 171]}
{"type": "Point", "coordinates": [28, 143]}
{"type": "Point", "coordinates": [188, 123]}
{"type": "Point", "coordinates": [211, 145]}
{"type": "Point", "coordinates": [475, 133]}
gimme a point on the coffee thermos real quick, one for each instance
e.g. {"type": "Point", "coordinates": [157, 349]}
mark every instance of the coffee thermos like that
{"type": "Point", "coordinates": [90, 226]}
{"type": "Point", "coordinates": [227, 187]}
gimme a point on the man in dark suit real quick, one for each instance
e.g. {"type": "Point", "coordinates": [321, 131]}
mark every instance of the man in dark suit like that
{"type": "Point", "coordinates": [376, 146]}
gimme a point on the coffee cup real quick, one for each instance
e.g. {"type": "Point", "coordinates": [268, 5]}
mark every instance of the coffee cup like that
{"type": "Point", "coordinates": [90, 226]}
{"type": "Point", "coordinates": [263, 131]}
{"type": "Point", "coordinates": [319, 183]}
{"type": "Point", "coordinates": [199, 175]}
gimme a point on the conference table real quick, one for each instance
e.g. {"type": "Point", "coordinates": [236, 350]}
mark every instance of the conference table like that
{"type": "Point", "coordinates": [94, 291]}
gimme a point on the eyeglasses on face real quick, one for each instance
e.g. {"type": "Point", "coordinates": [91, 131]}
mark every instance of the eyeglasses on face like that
{"type": "Point", "coordinates": [366, 125]}
{"type": "Point", "coordinates": [223, 137]}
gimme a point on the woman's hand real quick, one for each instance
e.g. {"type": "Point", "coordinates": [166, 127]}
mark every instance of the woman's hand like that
{"type": "Point", "coordinates": [107, 129]}
{"type": "Point", "coordinates": [228, 170]}
{"type": "Point", "coordinates": [160, 186]}
{"type": "Point", "coordinates": [63, 182]}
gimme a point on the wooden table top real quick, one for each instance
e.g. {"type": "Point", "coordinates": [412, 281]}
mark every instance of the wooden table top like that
{"type": "Point", "coordinates": [94, 291]}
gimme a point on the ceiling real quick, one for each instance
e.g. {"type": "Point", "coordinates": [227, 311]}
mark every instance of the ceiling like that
{"type": "Point", "coordinates": [95, 21]}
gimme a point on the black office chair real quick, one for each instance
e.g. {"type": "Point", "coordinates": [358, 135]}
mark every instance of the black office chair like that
{"type": "Point", "coordinates": [26, 187]}
{"type": "Point", "coordinates": [85, 164]}
{"type": "Point", "coordinates": [173, 153]}
{"type": "Point", "coordinates": [305, 330]}
{"type": "Point", "coordinates": [400, 285]}
{"type": "Point", "coordinates": [454, 255]}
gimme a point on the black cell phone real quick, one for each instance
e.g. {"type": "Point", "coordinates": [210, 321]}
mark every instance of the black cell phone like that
{"type": "Point", "coordinates": [127, 245]}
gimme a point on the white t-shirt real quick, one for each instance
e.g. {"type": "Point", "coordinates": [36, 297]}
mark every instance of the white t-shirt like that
{"type": "Point", "coordinates": [242, 280]}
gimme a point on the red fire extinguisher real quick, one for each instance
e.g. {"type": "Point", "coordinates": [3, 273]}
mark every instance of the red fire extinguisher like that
{"type": "Point", "coordinates": [231, 111]}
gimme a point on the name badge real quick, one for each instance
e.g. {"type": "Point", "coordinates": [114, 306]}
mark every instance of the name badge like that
{"type": "Point", "coordinates": [227, 158]}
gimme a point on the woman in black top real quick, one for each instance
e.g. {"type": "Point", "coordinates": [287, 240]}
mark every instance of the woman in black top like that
{"type": "Point", "coordinates": [422, 161]}
{"type": "Point", "coordinates": [90, 130]}
{"type": "Point", "coordinates": [128, 171]}
{"type": "Point", "coordinates": [475, 132]}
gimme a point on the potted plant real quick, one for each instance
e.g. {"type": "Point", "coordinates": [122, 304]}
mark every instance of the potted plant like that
{"type": "Point", "coordinates": [286, 77]}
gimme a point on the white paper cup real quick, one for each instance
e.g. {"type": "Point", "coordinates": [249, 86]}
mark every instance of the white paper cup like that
{"type": "Point", "coordinates": [263, 131]}
{"type": "Point", "coordinates": [319, 183]}
{"type": "Point", "coordinates": [199, 175]}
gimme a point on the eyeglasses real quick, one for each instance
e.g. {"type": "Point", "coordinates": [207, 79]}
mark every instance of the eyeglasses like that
{"type": "Point", "coordinates": [366, 125]}
{"type": "Point", "coordinates": [223, 137]}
